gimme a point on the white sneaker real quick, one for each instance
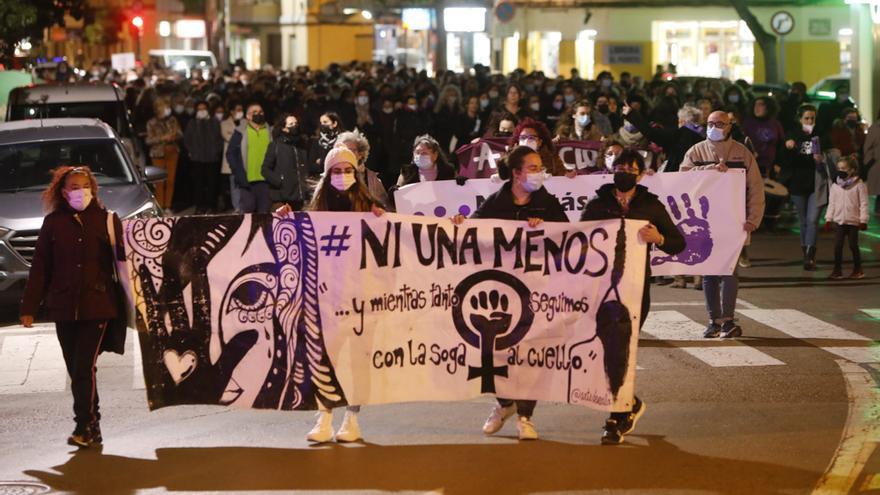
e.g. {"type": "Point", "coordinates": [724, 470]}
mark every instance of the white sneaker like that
{"type": "Point", "coordinates": [323, 430]}
{"type": "Point", "coordinates": [497, 418]}
{"type": "Point", "coordinates": [350, 431]}
{"type": "Point", "coordinates": [526, 429]}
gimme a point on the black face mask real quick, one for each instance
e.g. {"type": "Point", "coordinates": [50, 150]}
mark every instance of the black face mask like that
{"type": "Point", "coordinates": [326, 129]}
{"type": "Point", "coordinates": [503, 134]}
{"type": "Point", "coordinates": [603, 108]}
{"type": "Point", "coordinates": [852, 123]}
{"type": "Point", "coordinates": [624, 181]}
{"type": "Point", "coordinates": [258, 119]}
{"type": "Point", "coordinates": [842, 175]}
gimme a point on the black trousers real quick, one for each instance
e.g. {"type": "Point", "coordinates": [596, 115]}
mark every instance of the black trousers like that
{"type": "Point", "coordinates": [205, 176]}
{"type": "Point", "coordinates": [523, 407]}
{"type": "Point", "coordinates": [256, 198]}
{"type": "Point", "coordinates": [842, 233]}
{"type": "Point", "coordinates": [80, 344]}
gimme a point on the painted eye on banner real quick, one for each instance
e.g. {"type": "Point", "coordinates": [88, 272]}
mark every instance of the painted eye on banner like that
{"type": "Point", "coordinates": [252, 298]}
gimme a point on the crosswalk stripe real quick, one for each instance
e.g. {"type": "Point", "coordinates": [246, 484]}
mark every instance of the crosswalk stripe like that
{"type": "Point", "coordinates": [872, 312]}
{"type": "Point", "coordinates": [858, 355]}
{"type": "Point", "coordinates": [799, 325]}
{"type": "Point", "coordinates": [732, 355]}
{"type": "Point", "coordinates": [31, 363]}
{"type": "Point", "coordinates": [672, 325]}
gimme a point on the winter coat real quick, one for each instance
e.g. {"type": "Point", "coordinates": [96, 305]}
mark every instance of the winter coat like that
{"type": "Point", "coordinates": [500, 205]}
{"type": "Point", "coordinates": [72, 267]}
{"type": "Point", "coordinates": [848, 205]}
{"type": "Point", "coordinates": [410, 173]}
{"type": "Point", "coordinates": [227, 129]}
{"type": "Point", "coordinates": [286, 171]}
{"type": "Point", "coordinates": [203, 141]}
{"type": "Point", "coordinates": [799, 166]}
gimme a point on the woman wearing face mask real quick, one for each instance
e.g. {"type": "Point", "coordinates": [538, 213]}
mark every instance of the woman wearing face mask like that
{"type": "Point", "coordinates": [555, 109]}
{"type": "Point", "coordinates": [429, 163]}
{"type": "Point", "coordinates": [330, 127]}
{"type": "Point", "coordinates": [72, 270]}
{"type": "Point", "coordinates": [523, 197]}
{"type": "Point", "coordinates": [285, 166]}
{"type": "Point", "coordinates": [624, 198]}
{"type": "Point", "coordinates": [848, 133]}
{"type": "Point", "coordinates": [340, 191]}
{"type": "Point", "coordinates": [535, 135]}
{"type": "Point", "coordinates": [204, 146]}
{"type": "Point", "coordinates": [578, 124]}
{"type": "Point", "coordinates": [802, 165]}
{"type": "Point", "coordinates": [470, 124]}
{"type": "Point", "coordinates": [163, 132]}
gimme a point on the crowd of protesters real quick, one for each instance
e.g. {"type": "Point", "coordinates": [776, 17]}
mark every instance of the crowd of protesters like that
{"type": "Point", "coordinates": [344, 138]}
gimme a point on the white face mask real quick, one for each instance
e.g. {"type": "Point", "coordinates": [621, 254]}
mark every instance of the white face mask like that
{"type": "Point", "coordinates": [167, 112]}
{"type": "Point", "coordinates": [79, 199]}
{"type": "Point", "coordinates": [808, 128]}
{"type": "Point", "coordinates": [412, 107]}
{"type": "Point", "coordinates": [238, 115]}
{"type": "Point", "coordinates": [423, 161]}
{"type": "Point", "coordinates": [533, 181]}
{"type": "Point", "coordinates": [219, 116]}
{"type": "Point", "coordinates": [202, 114]}
{"type": "Point", "coordinates": [342, 182]}
{"type": "Point", "coordinates": [363, 100]}
{"type": "Point", "coordinates": [609, 160]}
{"type": "Point", "coordinates": [531, 143]}
{"type": "Point", "coordinates": [179, 108]}
{"type": "Point", "coordinates": [715, 134]}
{"type": "Point", "coordinates": [535, 107]}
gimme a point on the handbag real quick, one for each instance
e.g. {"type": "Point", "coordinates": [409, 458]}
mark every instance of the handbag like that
{"type": "Point", "coordinates": [117, 328]}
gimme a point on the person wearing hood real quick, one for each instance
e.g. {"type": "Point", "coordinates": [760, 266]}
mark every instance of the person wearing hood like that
{"type": "Point", "coordinates": [522, 197]}
{"type": "Point", "coordinates": [204, 146]}
{"type": "Point", "coordinates": [720, 152]}
{"type": "Point", "coordinates": [285, 166]}
{"type": "Point", "coordinates": [246, 153]}
{"type": "Point", "coordinates": [625, 198]}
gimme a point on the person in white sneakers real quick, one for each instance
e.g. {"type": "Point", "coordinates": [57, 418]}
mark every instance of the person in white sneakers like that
{"type": "Point", "coordinates": [340, 190]}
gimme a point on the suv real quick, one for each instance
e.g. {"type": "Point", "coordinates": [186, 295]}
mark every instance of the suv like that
{"type": "Point", "coordinates": [84, 99]}
{"type": "Point", "coordinates": [29, 150]}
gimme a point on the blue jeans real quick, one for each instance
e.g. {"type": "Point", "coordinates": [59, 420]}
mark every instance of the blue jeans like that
{"type": "Point", "coordinates": [808, 214]}
{"type": "Point", "coordinates": [720, 293]}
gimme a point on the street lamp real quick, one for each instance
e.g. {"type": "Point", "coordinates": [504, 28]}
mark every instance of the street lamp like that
{"type": "Point", "coordinates": [138, 23]}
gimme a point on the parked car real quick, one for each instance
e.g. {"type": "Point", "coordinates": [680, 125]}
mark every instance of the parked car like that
{"type": "Point", "coordinates": [825, 89]}
{"type": "Point", "coordinates": [97, 100]}
{"type": "Point", "coordinates": [183, 61]}
{"type": "Point", "coordinates": [29, 150]}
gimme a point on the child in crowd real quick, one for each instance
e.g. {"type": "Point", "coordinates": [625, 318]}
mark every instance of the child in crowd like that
{"type": "Point", "coordinates": [848, 209]}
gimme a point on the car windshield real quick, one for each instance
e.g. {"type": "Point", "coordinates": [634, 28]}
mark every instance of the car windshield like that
{"type": "Point", "coordinates": [28, 166]}
{"type": "Point", "coordinates": [109, 112]}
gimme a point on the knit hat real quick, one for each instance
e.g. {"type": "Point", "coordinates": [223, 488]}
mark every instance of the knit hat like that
{"type": "Point", "coordinates": [339, 155]}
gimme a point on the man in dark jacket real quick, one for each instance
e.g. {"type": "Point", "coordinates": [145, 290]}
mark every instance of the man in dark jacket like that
{"type": "Point", "coordinates": [285, 167]}
{"type": "Point", "coordinates": [625, 199]}
{"type": "Point", "coordinates": [204, 146]}
{"type": "Point", "coordinates": [675, 142]}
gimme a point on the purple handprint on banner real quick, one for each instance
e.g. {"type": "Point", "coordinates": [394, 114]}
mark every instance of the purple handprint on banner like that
{"type": "Point", "coordinates": [697, 236]}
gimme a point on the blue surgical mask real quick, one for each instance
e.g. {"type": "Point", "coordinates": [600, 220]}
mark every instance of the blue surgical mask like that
{"type": "Point", "coordinates": [583, 120]}
{"type": "Point", "coordinates": [533, 181]}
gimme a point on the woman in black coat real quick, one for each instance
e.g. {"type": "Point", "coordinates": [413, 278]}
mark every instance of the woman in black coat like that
{"type": "Point", "coordinates": [72, 271]}
{"type": "Point", "coordinates": [625, 199]}
{"type": "Point", "coordinates": [523, 197]}
{"type": "Point", "coordinates": [285, 166]}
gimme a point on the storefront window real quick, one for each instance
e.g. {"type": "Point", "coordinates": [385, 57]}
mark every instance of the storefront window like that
{"type": "Point", "coordinates": [708, 48]}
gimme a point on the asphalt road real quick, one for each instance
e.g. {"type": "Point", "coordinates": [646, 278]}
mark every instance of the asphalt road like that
{"type": "Point", "coordinates": [792, 407]}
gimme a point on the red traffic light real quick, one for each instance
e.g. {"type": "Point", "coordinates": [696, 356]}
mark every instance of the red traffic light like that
{"type": "Point", "coordinates": [137, 21]}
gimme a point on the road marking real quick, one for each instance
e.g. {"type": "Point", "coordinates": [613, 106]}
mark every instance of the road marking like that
{"type": "Point", "coordinates": [872, 313]}
{"type": "Point", "coordinates": [138, 380]}
{"type": "Point", "coordinates": [746, 304]}
{"type": "Point", "coordinates": [672, 325]}
{"type": "Point", "coordinates": [31, 363]}
{"type": "Point", "coordinates": [800, 325]}
{"type": "Point", "coordinates": [682, 303]}
{"type": "Point", "coordinates": [860, 433]}
{"type": "Point", "coordinates": [732, 355]}
{"type": "Point", "coordinates": [858, 355]}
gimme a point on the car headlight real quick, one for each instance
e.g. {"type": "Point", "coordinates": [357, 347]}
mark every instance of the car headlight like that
{"type": "Point", "coordinates": [146, 210]}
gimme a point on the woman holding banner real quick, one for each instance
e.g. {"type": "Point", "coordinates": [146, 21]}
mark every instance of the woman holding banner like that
{"type": "Point", "coordinates": [72, 270]}
{"type": "Point", "coordinates": [523, 197]}
{"type": "Point", "coordinates": [339, 190]}
{"type": "Point", "coordinates": [625, 199]}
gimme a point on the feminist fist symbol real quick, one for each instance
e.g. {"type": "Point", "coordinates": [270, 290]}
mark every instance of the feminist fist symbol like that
{"type": "Point", "coordinates": [698, 238]}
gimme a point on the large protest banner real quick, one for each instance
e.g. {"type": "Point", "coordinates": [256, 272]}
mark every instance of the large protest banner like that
{"type": "Point", "coordinates": [480, 160]}
{"type": "Point", "coordinates": [261, 311]}
{"type": "Point", "coordinates": [708, 207]}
